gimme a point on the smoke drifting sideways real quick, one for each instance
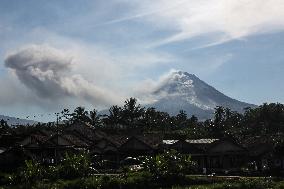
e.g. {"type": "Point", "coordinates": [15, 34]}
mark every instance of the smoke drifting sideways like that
{"type": "Point", "coordinates": [48, 73]}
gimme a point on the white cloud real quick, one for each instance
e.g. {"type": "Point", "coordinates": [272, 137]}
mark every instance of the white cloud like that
{"type": "Point", "coordinates": [234, 19]}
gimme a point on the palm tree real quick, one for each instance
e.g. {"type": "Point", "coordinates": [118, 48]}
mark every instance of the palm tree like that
{"type": "Point", "coordinates": [193, 120]}
{"type": "Point", "coordinates": [219, 121]}
{"type": "Point", "coordinates": [180, 119]}
{"type": "Point", "coordinates": [149, 118]}
{"type": "Point", "coordinates": [95, 118]}
{"type": "Point", "coordinates": [3, 126]}
{"type": "Point", "coordinates": [132, 112]}
{"type": "Point", "coordinates": [115, 116]}
{"type": "Point", "coordinates": [80, 114]}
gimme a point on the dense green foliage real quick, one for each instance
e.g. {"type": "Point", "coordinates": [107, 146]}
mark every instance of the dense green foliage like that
{"type": "Point", "coordinates": [267, 119]}
{"type": "Point", "coordinates": [241, 184]}
{"type": "Point", "coordinates": [77, 170]}
{"type": "Point", "coordinates": [166, 170]}
{"type": "Point", "coordinates": [71, 167]}
{"type": "Point", "coordinates": [142, 180]}
{"type": "Point", "coordinates": [168, 164]}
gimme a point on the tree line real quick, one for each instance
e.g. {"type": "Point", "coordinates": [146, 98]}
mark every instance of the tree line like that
{"type": "Point", "coordinates": [266, 119]}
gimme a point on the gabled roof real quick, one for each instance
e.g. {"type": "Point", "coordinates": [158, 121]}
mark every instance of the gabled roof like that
{"type": "Point", "coordinates": [152, 140]}
{"type": "Point", "coordinates": [42, 132]}
{"type": "Point", "coordinates": [185, 147]}
{"type": "Point", "coordinates": [33, 140]}
{"type": "Point", "coordinates": [169, 142]}
{"type": "Point", "coordinates": [65, 140]}
{"type": "Point", "coordinates": [78, 142]}
{"type": "Point", "coordinates": [135, 143]}
{"type": "Point", "coordinates": [86, 130]}
{"type": "Point", "coordinates": [226, 146]}
{"type": "Point", "coordinates": [104, 142]}
{"type": "Point", "coordinates": [202, 141]}
{"type": "Point", "coordinates": [117, 140]}
{"type": "Point", "coordinates": [78, 135]}
{"type": "Point", "coordinates": [207, 145]}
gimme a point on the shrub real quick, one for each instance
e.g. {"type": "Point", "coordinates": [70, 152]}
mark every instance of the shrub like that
{"type": "Point", "coordinates": [32, 172]}
{"type": "Point", "coordinates": [255, 183]}
{"type": "Point", "coordinates": [91, 182]}
{"type": "Point", "coordinates": [138, 180]}
{"type": "Point", "coordinates": [169, 164]}
{"type": "Point", "coordinates": [107, 182]}
{"type": "Point", "coordinates": [279, 185]}
{"type": "Point", "coordinates": [52, 173]}
{"type": "Point", "coordinates": [74, 166]}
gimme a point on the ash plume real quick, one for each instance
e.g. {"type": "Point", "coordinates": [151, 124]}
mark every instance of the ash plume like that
{"type": "Point", "coordinates": [48, 73]}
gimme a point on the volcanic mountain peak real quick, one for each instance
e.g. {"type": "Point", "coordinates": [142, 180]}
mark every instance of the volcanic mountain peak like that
{"type": "Point", "coordinates": [180, 82]}
{"type": "Point", "coordinates": [184, 91]}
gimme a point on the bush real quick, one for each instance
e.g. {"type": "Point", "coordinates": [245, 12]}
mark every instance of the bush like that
{"type": "Point", "coordinates": [74, 166]}
{"type": "Point", "coordinates": [243, 184]}
{"type": "Point", "coordinates": [257, 183]}
{"type": "Point", "coordinates": [138, 180]}
{"type": "Point", "coordinates": [169, 164]}
{"type": "Point", "coordinates": [91, 182]}
{"type": "Point", "coordinates": [279, 185]}
{"type": "Point", "coordinates": [107, 182]}
{"type": "Point", "coordinates": [31, 173]}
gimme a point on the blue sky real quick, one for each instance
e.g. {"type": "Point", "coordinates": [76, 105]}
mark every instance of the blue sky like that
{"type": "Point", "coordinates": [112, 48]}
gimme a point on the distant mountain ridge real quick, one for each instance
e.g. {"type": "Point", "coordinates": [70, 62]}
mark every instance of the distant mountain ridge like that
{"type": "Point", "coordinates": [16, 121]}
{"type": "Point", "coordinates": [184, 91]}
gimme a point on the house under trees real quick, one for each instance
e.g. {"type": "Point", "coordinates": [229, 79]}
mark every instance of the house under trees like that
{"type": "Point", "coordinates": [215, 154]}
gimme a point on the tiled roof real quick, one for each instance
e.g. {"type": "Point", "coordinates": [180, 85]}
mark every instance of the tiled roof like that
{"type": "Point", "coordinates": [169, 141]}
{"type": "Point", "coordinates": [42, 132]}
{"type": "Point", "coordinates": [117, 140]}
{"type": "Point", "coordinates": [82, 128]}
{"type": "Point", "coordinates": [65, 140]}
{"type": "Point", "coordinates": [78, 135]}
{"type": "Point", "coordinates": [33, 139]}
{"type": "Point", "coordinates": [75, 140]}
{"type": "Point", "coordinates": [192, 141]}
{"type": "Point", "coordinates": [86, 131]}
{"type": "Point", "coordinates": [202, 141]}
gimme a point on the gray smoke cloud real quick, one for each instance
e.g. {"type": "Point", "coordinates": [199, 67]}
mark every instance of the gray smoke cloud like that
{"type": "Point", "coordinates": [48, 73]}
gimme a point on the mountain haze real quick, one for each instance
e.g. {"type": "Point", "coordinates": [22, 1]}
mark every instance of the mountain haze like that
{"type": "Point", "coordinates": [184, 91]}
{"type": "Point", "coordinates": [16, 121]}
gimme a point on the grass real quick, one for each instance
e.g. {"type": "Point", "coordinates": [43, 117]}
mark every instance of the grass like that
{"type": "Point", "coordinates": [141, 180]}
{"type": "Point", "coordinates": [242, 184]}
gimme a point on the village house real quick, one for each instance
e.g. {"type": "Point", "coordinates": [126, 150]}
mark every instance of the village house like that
{"type": "Point", "coordinates": [214, 155]}
{"type": "Point", "coordinates": [266, 153]}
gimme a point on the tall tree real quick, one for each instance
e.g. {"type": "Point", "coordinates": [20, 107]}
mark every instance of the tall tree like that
{"type": "Point", "coordinates": [4, 127]}
{"type": "Point", "coordinates": [95, 118]}
{"type": "Point", "coordinates": [80, 114]}
{"type": "Point", "coordinates": [115, 116]}
{"type": "Point", "coordinates": [132, 112]}
{"type": "Point", "coordinates": [219, 118]}
{"type": "Point", "coordinates": [181, 119]}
